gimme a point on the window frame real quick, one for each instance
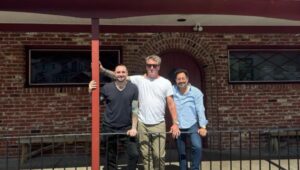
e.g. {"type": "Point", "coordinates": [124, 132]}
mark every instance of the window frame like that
{"type": "Point", "coordinates": [259, 49]}
{"type": "Point", "coordinates": [29, 49]}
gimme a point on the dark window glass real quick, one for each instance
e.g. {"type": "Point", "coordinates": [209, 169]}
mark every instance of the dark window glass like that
{"type": "Point", "coordinates": [264, 65]}
{"type": "Point", "coordinates": [67, 66]}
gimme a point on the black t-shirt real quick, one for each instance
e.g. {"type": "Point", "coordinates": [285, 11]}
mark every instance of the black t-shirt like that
{"type": "Point", "coordinates": [118, 113]}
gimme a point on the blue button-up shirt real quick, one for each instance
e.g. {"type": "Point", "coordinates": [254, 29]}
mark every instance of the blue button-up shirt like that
{"type": "Point", "coordinates": [190, 107]}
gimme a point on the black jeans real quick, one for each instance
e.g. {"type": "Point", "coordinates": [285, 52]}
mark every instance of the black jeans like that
{"type": "Point", "coordinates": [111, 153]}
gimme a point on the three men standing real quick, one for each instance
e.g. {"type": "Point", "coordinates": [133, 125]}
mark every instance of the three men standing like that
{"type": "Point", "coordinates": [155, 93]}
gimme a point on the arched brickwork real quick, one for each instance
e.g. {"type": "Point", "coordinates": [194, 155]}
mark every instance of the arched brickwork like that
{"type": "Point", "coordinates": [196, 47]}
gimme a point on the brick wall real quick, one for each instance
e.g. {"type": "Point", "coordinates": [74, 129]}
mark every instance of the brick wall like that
{"type": "Point", "coordinates": [52, 110]}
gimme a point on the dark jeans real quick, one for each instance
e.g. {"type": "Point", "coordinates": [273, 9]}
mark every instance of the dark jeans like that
{"type": "Point", "coordinates": [196, 143]}
{"type": "Point", "coordinates": [111, 153]}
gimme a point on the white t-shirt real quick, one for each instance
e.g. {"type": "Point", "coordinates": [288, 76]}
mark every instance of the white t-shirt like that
{"type": "Point", "coordinates": [152, 98]}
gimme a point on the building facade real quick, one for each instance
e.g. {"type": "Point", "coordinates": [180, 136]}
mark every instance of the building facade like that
{"type": "Point", "coordinates": [67, 109]}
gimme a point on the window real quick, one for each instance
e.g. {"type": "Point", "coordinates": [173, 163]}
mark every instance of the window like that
{"type": "Point", "coordinates": [264, 65]}
{"type": "Point", "coordinates": [66, 66]}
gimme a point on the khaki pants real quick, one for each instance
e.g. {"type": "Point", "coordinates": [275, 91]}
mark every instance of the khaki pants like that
{"type": "Point", "coordinates": [152, 140]}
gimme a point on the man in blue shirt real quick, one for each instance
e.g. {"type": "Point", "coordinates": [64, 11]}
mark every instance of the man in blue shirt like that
{"type": "Point", "coordinates": [191, 117]}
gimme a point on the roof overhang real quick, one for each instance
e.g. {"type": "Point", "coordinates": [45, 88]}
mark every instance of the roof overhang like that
{"type": "Point", "coordinates": [152, 16]}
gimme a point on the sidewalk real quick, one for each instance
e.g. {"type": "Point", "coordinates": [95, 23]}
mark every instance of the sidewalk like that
{"type": "Point", "coordinates": [206, 165]}
{"type": "Point", "coordinates": [212, 161]}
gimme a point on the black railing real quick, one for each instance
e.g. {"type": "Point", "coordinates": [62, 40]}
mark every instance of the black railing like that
{"type": "Point", "coordinates": [237, 149]}
{"type": "Point", "coordinates": [253, 149]}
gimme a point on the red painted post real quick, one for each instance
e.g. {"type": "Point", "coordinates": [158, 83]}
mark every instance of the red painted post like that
{"type": "Point", "coordinates": [95, 95]}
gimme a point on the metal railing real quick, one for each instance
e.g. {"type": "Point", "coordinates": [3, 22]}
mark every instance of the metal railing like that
{"type": "Point", "coordinates": [266, 149]}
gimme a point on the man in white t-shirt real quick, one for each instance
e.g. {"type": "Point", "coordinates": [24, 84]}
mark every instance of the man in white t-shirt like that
{"type": "Point", "coordinates": [155, 92]}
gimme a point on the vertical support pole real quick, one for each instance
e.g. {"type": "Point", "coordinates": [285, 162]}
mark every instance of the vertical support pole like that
{"type": "Point", "coordinates": [95, 95]}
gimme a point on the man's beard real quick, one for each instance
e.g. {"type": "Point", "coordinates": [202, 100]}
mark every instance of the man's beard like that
{"type": "Point", "coordinates": [182, 85]}
{"type": "Point", "coordinates": [119, 79]}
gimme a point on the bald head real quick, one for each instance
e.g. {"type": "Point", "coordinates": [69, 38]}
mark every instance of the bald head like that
{"type": "Point", "coordinates": [121, 73]}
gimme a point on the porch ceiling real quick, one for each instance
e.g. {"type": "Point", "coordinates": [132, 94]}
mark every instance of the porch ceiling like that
{"type": "Point", "coordinates": [154, 13]}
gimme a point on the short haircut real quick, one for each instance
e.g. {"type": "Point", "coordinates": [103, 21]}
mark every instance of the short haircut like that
{"type": "Point", "coordinates": [120, 66]}
{"type": "Point", "coordinates": [180, 70]}
{"type": "Point", "coordinates": [155, 58]}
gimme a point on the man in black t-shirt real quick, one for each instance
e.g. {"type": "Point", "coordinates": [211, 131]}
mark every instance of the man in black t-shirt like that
{"type": "Point", "coordinates": [120, 117]}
